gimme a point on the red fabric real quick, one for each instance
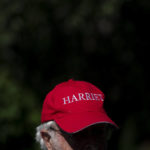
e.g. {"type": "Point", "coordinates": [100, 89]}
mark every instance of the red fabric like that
{"type": "Point", "coordinates": [74, 105]}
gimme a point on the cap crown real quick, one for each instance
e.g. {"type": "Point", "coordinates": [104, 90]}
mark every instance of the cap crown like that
{"type": "Point", "coordinates": [72, 97]}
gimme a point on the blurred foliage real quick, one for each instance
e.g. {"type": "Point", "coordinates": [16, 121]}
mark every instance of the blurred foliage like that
{"type": "Point", "coordinates": [44, 42]}
{"type": "Point", "coordinates": [18, 113]}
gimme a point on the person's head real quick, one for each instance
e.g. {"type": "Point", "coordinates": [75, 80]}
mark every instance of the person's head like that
{"type": "Point", "coordinates": [73, 118]}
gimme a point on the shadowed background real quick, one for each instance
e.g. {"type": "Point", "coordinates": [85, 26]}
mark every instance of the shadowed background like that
{"type": "Point", "coordinates": [43, 43]}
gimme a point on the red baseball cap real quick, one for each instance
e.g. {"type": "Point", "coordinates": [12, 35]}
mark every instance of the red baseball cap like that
{"type": "Point", "coordinates": [75, 105]}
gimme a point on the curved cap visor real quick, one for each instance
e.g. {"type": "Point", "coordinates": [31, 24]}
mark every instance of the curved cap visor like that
{"type": "Point", "coordinates": [75, 122]}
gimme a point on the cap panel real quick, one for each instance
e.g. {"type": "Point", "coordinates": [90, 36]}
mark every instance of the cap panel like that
{"type": "Point", "coordinates": [78, 98]}
{"type": "Point", "coordinates": [72, 123]}
{"type": "Point", "coordinates": [49, 109]}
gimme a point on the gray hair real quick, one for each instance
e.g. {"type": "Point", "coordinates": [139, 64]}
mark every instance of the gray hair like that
{"type": "Point", "coordinates": [38, 137]}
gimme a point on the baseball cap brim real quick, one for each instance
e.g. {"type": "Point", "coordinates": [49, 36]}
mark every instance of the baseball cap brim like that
{"type": "Point", "coordinates": [75, 122]}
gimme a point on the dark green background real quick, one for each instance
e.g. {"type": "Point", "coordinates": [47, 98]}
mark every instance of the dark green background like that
{"type": "Point", "coordinates": [45, 42]}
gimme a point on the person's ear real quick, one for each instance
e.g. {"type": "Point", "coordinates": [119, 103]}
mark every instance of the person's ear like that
{"type": "Point", "coordinates": [46, 137]}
